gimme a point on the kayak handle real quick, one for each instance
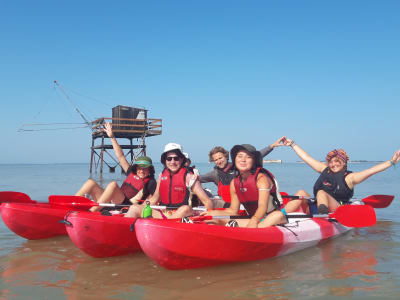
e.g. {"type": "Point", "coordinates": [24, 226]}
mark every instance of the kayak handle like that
{"type": "Point", "coordinates": [132, 226]}
{"type": "Point", "coordinates": [66, 222]}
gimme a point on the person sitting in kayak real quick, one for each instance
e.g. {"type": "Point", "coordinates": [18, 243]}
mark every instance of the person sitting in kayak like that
{"type": "Point", "coordinates": [254, 187]}
{"type": "Point", "coordinates": [175, 186]}
{"type": "Point", "coordinates": [189, 166]}
{"type": "Point", "coordinates": [335, 185]}
{"type": "Point", "coordinates": [223, 171]}
{"type": "Point", "coordinates": [138, 185]}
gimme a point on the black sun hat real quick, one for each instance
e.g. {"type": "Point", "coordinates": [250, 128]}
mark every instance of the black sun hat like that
{"type": "Point", "coordinates": [250, 149]}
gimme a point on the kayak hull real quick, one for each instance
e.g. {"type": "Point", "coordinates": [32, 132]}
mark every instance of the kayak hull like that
{"type": "Point", "coordinates": [102, 236]}
{"type": "Point", "coordinates": [34, 221]}
{"type": "Point", "coordinates": [175, 245]}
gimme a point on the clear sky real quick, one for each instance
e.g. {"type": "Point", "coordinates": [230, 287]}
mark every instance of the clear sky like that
{"type": "Point", "coordinates": [325, 73]}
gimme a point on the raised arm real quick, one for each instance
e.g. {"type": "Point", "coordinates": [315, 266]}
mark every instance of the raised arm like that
{"type": "Point", "coordinates": [313, 163]}
{"type": "Point", "coordinates": [117, 148]}
{"type": "Point", "coordinates": [358, 177]}
{"type": "Point", "coordinates": [267, 150]}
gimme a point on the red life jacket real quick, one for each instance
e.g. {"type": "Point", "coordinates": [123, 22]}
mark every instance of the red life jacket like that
{"type": "Point", "coordinates": [224, 191]}
{"type": "Point", "coordinates": [173, 190]}
{"type": "Point", "coordinates": [132, 185]}
{"type": "Point", "coordinates": [247, 192]}
{"type": "Point", "coordinates": [225, 177]}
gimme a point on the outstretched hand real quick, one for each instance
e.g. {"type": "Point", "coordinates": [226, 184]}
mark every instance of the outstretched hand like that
{"type": "Point", "coordinates": [287, 142]}
{"type": "Point", "coordinates": [396, 157]}
{"type": "Point", "coordinates": [108, 129]}
{"type": "Point", "coordinates": [278, 142]}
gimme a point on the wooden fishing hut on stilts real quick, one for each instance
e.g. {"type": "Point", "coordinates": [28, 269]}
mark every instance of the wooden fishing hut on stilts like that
{"type": "Point", "coordinates": [129, 123]}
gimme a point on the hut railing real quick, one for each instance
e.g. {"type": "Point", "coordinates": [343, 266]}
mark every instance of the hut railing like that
{"type": "Point", "coordinates": [147, 127]}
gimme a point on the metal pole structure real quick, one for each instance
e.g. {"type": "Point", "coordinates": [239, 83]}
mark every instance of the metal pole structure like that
{"type": "Point", "coordinates": [131, 150]}
{"type": "Point", "coordinates": [102, 154]}
{"type": "Point", "coordinates": [92, 155]}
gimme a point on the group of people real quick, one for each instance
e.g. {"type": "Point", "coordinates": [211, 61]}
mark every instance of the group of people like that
{"type": "Point", "coordinates": [243, 181]}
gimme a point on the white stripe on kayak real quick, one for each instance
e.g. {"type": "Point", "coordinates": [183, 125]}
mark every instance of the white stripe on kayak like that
{"type": "Point", "coordinates": [307, 234]}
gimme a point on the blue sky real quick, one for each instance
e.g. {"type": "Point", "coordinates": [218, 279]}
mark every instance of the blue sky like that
{"type": "Point", "coordinates": [325, 73]}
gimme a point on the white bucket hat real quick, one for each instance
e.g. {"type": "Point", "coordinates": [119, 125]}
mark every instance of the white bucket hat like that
{"type": "Point", "coordinates": [172, 147]}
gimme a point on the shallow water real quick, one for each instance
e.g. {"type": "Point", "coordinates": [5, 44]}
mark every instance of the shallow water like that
{"type": "Point", "coordinates": [362, 264]}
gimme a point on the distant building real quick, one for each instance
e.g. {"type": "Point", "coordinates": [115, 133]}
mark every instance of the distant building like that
{"type": "Point", "coordinates": [272, 161]}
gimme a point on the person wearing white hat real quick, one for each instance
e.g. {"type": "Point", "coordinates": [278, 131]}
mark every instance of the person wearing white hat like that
{"type": "Point", "coordinates": [188, 160]}
{"type": "Point", "coordinates": [188, 164]}
{"type": "Point", "coordinates": [175, 187]}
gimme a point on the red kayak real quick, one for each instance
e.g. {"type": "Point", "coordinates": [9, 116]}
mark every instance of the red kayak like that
{"type": "Point", "coordinates": [102, 236]}
{"type": "Point", "coordinates": [31, 219]}
{"type": "Point", "coordinates": [176, 245]}
{"type": "Point", "coordinates": [34, 220]}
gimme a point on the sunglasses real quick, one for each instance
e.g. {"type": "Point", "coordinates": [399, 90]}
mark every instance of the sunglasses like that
{"type": "Point", "coordinates": [175, 158]}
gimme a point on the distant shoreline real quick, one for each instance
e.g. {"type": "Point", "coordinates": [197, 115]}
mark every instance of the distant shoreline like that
{"type": "Point", "coordinates": [351, 161]}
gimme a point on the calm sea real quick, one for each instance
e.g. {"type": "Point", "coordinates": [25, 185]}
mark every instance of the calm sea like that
{"type": "Point", "coordinates": [362, 264]}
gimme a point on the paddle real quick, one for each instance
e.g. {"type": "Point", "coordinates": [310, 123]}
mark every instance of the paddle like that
{"type": "Point", "coordinates": [347, 215]}
{"type": "Point", "coordinates": [79, 201]}
{"type": "Point", "coordinates": [15, 197]}
{"type": "Point", "coordinates": [376, 201]}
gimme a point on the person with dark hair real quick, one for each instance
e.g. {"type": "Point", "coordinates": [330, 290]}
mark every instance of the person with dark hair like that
{"type": "Point", "coordinates": [254, 187]}
{"type": "Point", "coordinates": [223, 172]}
{"type": "Point", "coordinates": [138, 185]}
{"type": "Point", "coordinates": [175, 187]}
{"type": "Point", "coordinates": [335, 185]}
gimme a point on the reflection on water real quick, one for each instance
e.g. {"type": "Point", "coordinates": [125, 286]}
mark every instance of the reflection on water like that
{"type": "Point", "coordinates": [351, 265]}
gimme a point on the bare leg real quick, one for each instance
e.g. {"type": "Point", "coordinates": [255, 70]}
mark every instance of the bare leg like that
{"type": "Point", "coordinates": [298, 204]}
{"type": "Point", "coordinates": [92, 188]}
{"type": "Point", "coordinates": [327, 200]}
{"type": "Point", "coordinates": [181, 212]}
{"type": "Point", "coordinates": [111, 194]}
{"type": "Point", "coordinates": [275, 217]}
{"type": "Point", "coordinates": [241, 222]}
{"type": "Point", "coordinates": [135, 211]}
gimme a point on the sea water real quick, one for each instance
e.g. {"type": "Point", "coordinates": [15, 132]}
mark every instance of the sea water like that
{"type": "Point", "coordinates": [362, 264]}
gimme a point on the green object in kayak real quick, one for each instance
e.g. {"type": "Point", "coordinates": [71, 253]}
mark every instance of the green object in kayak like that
{"type": "Point", "coordinates": [147, 212]}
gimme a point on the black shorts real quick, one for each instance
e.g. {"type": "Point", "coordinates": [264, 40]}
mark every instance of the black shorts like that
{"type": "Point", "coordinates": [126, 202]}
